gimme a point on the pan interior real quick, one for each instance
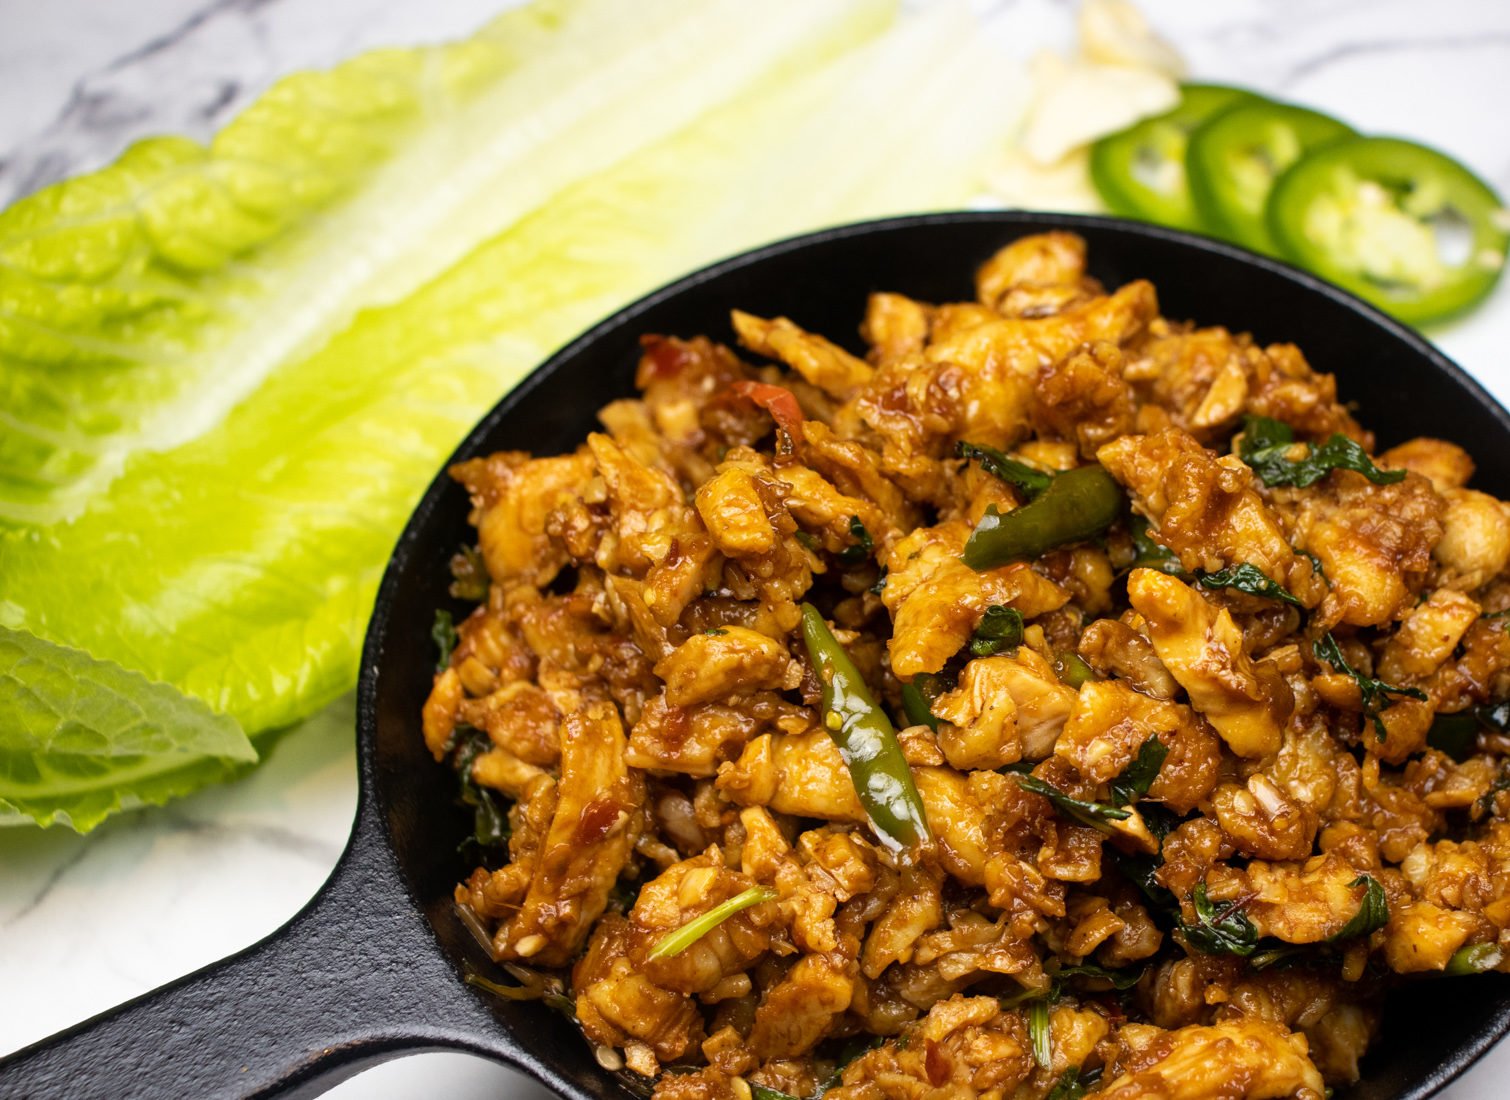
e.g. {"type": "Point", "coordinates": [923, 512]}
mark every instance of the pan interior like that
{"type": "Point", "coordinates": [1401, 386]}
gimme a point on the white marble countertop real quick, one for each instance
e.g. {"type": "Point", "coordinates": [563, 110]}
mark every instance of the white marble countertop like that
{"type": "Point", "coordinates": [87, 922]}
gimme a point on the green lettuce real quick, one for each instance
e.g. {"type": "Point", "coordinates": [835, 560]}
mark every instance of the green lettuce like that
{"type": "Point", "coordinates": [81, 738]}
{"type": "Point", "coordinates": [239, 565]}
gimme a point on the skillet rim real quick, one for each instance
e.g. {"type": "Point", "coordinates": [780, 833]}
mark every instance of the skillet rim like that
{"type": "Point", "coordinates": [370, 818]}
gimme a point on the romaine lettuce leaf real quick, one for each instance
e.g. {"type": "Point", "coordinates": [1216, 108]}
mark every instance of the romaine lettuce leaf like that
{"type": "Point", "coordinates": [139, 304]}
{"type": "Point", "coordinates": [81, 738]}
{"type": "Point", "coordinates": [240, 565]}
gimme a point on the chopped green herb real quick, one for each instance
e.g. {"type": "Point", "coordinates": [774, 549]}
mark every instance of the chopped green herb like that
{"type": "Point", "coordinates": [1505, 614]}
{"type": "Point", "coordinates": [715, 631]}
{"type": "Point", "coordinates": [915, 707]}
{"type": "Point", "coordinates": [1072, 1084]}
{"type": "Point", "coordinates": [490, 825]}
{"type": "Point", "coordinates": [849, 1050]}
{"type": "Point", "coordinates": [1096, 815]}
{"type": "Point", "coordinates": [1478, 958]}
{"type": "Point", "coordinates": [880, 585]}
{"type": "Point", "coordinates": [1142, 870]}
{"type": "Point", "coordinates": [1316, 567]}
{"type": "Point", "coordinates": [1267, 444]}
{"type": "Point", "coordinates": [1225, 931]}
{"type": "Point", "coordinates": [1277, 956]}
{"type": "Point", "coordinates": [443, 634]}
{"type": "Point", "coordinates": [1019, 474]}
{"type": "Point", "coordinates": [918, 697]}
{"type": "Point", "coordinates": [809, 540]}
{"type": "Point", "coordinates": [1373, 911]}
{"type": "Point", "coordinates": [1494, 715]}
{"type": "Point", "coordinates": [1152, 554]}
{"type": "Point", "coordinates": [761, 1092]}
{"type": "Point", "coordinates": [1000, 631]}
{"type": "Point", "coordinates": [674, 943]}
{"type": "Point", "coordinates": [624, 894]}
{"type": "Point", "coordinates": [864, 544]}
{"type": "Point", "coordinates": [1485, 805]}
{"type": "Point", "coordinates": [1160, 819]}
{"type": "Point", "coordinates": [1072, 670]}
{"type": "Point", "coordinates": [1039, 1033]}
{"type": "Point", "coordinates": [1138, 776]}
{"type": "Point", "coordinates": [1250, 579]}
{"type": "Point", "coordinates": [1375, 693]}
{"type": "Point", "coordinates": [469, 575]}
{"type": "Point", "coordinates": [1120, 980]}
{"type": "Point", "coordinates": [1455, 734]}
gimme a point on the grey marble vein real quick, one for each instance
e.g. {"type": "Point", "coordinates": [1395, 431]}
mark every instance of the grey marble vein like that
{"type": "Point", "coordinates": [1345, 51]}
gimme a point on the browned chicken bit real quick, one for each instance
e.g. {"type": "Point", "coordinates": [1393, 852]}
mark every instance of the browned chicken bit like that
{"type": "Point", "coordinates": [1055, 700]}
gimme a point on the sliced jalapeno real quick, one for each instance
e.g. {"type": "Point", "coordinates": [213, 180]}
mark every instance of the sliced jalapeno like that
{"type": "Point", "coordinates": [1404, 226]}
{"type": "Point", "coordinates": [1140, 172]}
{"type": "Point", "coordinates": [1235, 157]}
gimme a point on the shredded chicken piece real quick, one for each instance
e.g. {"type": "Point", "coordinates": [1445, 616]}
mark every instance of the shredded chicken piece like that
{"type": "Point", "coordinates": [1247, 701]}
{"type": "Point", "coordinates": [598, 816]}
{"type": "Point", "coordinates": [1207, 509]}
{"type": "Point", "coordinates": [1243, 1059]}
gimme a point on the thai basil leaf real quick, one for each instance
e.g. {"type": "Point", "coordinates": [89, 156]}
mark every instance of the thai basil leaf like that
{"type": "Point", "coordinates": [1225, 931]}
{"type": "Point", "coordinates": [1072, 1084]}
{"type": "Point", "coordinates": [918, 697]}
{"type": "Point", "coordinates": [443, 634]}
{"type": "Point", "coordinates": [1373, 912]}
{"type": "Point", "coordinates": [864, 544]}
{"type": "Point", "coordinates": [1278, 956]}
{"type": "Point", "coordinates": [469, 575]}
{"type": "Point", "coordinates": [1018, 474]}
{"type": "Point", "coordinates": [1096, 815]}
{"type": "Point", "coordinates": [1000, 631]}
{"type": "Point", "coordinates": [761, 1092]}
{"type": "Point", "coordinates": [1120, 980]}
{"type": "Point", "coordinates": [1138, 776]}
{"type": "Point", "coordinates": [1374, 693]}
{"type": "Point", "coordinates": [1455, 734]}
{"type": "Point", "coordinates": [1152, 554]}
{"type": "Point", "coordinates": [1266, 445]}
{"type": "Point", "coordinates": [490, 827]}
{"type": "Point", "coordinates": [1141, 871]}
{"type": "Point", "coordinates": [1250, 579]}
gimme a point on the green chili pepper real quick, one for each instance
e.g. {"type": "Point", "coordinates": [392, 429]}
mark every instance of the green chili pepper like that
{"type": "Point", "coordinates": [1072, 670]}
{"type": "Point", "coordinates": [1078, 504]}
{"type": "Point", "coordinates": [1478, 958]}
{"type": "Point", "coordinates": [866, 739]}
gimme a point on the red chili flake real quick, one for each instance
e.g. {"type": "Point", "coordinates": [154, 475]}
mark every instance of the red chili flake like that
{"type": "Point", "coordinates": [776, 400]}
{"type": "Point", "coordinates": [936, 1063]}
{"type": "Point", "coordinates": [664, 357]}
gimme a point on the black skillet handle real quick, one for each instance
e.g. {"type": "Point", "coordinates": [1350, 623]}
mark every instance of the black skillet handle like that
{"type": "Point", "coordinates": [353, 980]}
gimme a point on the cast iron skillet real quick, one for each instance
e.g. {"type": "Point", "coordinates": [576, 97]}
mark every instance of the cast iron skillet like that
{"type": "Point", "coordinates": [372, 966]}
